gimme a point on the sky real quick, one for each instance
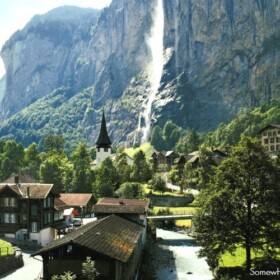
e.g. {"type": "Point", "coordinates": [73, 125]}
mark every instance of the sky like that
{"type": "Point", "coordinates": [16, 13]}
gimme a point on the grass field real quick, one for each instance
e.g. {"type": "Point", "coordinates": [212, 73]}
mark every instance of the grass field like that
{"type": "Point", "coordinates": [5, 248]}
{"type": "Point", "coordinates": [147, 148]}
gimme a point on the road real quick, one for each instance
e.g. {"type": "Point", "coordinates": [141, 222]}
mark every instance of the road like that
{"type": "Point", "coordinates": [177, 188]}
{"type": "Point", "coordinates": [31, 270]}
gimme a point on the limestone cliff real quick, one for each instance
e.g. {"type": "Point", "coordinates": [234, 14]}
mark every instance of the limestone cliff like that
{"type": "Point", "coordinates": [219, 56]}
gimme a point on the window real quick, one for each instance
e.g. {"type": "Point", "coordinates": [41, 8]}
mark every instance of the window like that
{"type": "Point", "coordinates": [6, 218]}
{"type": "Point", "coordinates": [45, 203]}
{"type": "Point", "coordinates": [24, 217]}
{"type": "Point", "coordinates": [34, 227]}
{"type": "Point", "coordinates": [10, 218]}
{"type": "Point", "coordinates": [278, 131]}
{"type": "Point", "coordinates": [271, 148]}
{"type": "Point", "coordinates": [9, 201]}
{"type": "Point", "coordinates": [49, 199]}
{"type": "Point", "coordinates": [34, 210]}
{"type": "Point", "coordinates": [278, 139]}
{"type": "Point", "coordinates": [278, 147]}
{"type": "Point", "coordinates": [274, 133]}
{"type": "Point", "coordinates": [265, 141]}
{"type": "Point", "coordinates": [105, 149]}
{"type": "Point", "coordinates": [269, 133]}
{"type": "Point", "coordinates": [6, 201]}
{"type": "Point", "coordinates": [47, 217]}
{"type": "Point", "coordinates": [264, 134]}
{"type": "Point", "coordinates": [13, 218]}
{"type": "Point", "coordinates": [13, 202]}
{"type": "Point", "coordinates": [271, 140]}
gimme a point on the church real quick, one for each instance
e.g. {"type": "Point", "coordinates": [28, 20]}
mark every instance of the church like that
{"type": "Point", "coordinates": [103, 143]}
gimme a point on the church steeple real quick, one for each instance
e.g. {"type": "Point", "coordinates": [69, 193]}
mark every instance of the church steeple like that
{"type": "Point", "coordinates": [103, 140]}
{"type": "Point", "coordinates": [103, 143]}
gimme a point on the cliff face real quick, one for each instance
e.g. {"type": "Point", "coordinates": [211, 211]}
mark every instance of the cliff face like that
{"type": "Point", "coordinates": [226, 54]}
{"type": "Point", "coordinates": [219, 56]}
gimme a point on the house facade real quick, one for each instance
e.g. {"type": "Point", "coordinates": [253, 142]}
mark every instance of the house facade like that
{"type": "Point", "coordinates": [27, 211]}
{"type": "Point", "coordinates": [164, 160]}
{"type": "Point", "coordinates": [270, 136]}
{"type": "Point", "coordinates": [81, 202]}
{"type": "Point", "coordinates": [114, 243]}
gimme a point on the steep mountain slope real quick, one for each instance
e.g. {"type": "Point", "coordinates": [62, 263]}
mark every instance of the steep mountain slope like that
{"type": "Point", "coordinates": [218, 57]}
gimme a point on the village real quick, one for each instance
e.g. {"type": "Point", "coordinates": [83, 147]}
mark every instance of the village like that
{"type": "Point", "coordinates": [68, 228]}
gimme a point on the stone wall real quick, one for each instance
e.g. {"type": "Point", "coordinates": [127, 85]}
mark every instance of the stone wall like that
{"type": "Point", "coordinates": [170, 201]}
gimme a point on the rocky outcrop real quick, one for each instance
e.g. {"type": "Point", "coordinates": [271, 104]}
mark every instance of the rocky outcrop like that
{"type": "Point", "coordinates": [220, 56]}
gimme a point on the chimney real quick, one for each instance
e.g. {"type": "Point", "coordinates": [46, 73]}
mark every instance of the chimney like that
{"type": "Point", "coordinates": [27, 192]}
{"type": "Point", "coordinates": [17, 180]}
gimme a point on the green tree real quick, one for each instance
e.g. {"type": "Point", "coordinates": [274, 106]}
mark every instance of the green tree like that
{"type": "Point", "coordinates": [157, 139]}
{"type": "Point", "coordinates": [140, 169]}
{"type": "Point", "coordinates": [123, 168]}
{"type": "Point", "coordinates": [130, 190]}
{"type": "Point", "coordinates": [158, 183]}
{"type": "Point", "coordinates": [106, 179]}
{"type": "Point", "coordinates": [206, 168]}
{"type": "Point", "coordinates": [54, 144]}
{"type": "Point", "coordinates": [188, 142]}
{"type": "Point", "coordinates": [56, 170]}
{"type": "Point", "coordinates": [240, 206]}
{"type": "Point", "coordinates": [89, 271]}
{"type": "Point", "coordinates": [66, 276]}
{"type": "Point", "coordinates": [83, 176]}
{"type": "Point", "coordinates": [171, 134]}
{"type": "Point", "coordinates": [12, 158]}
{"type": "Point", "coordinates": [31, 161]}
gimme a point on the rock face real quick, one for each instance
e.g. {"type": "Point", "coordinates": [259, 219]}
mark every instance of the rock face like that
{"type": "Point", "coordinates": [220, 56]}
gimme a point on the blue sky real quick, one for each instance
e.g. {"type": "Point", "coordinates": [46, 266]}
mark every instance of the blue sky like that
{"type": "Point", "coordinates": [16, 13]}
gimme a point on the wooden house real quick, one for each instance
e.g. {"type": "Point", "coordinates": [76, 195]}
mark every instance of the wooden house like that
{"type": "Point", "coordinates": [114, 243]}
{"type": "Point", "coordinates": [134, 210]}
{"type": "Point", "coordinates": [81, 202]}
{"type": "Point", "coordinates": [27, 210]}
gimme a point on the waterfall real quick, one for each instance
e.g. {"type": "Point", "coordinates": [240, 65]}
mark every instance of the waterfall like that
{"type": "Point", "coordinates": [155, 43]}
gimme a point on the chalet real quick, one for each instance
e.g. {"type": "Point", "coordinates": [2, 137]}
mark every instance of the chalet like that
{"type": "Point", "coordinates": [114, 243]}
{"type": "Point", "coordinates": [270, 135]}
{"type": "Point", "coordinates": [27, 210]}
{"type": "Point", "coordinates": [134, 210]}
{"type": "Point", "coordinates": [81, 202]}
{"type": "Point", "coordinates": [163, 160]}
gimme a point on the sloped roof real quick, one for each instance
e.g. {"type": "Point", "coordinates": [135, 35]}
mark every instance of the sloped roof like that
{"type": "Point", "coordinates": [116, 205]}
{"type": "Point", "coordinates": [193, 159]}
{"type": "Point", "coordinates": [23, 178]}
{"type": "Point", "coordinates": [270, 126]}
{"type": "Point", "coordinates": [103, 138]}
{"type": "Point", "coordinates": [75, 199]}
{"type": "Point", "coordinates": [36, 190]}
{"type": "Point", "coordinates": [111, 236]}
{"type": "Point", "coordinates": [59, 204]}
{"type": "Point", "coordinates": [168, 153]}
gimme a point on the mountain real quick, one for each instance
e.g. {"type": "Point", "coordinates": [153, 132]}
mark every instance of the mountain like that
{"type": "Point", "coordinates": [195, 62]}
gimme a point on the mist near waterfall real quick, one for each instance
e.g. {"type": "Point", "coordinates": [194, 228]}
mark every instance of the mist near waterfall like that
{"type": "Point", "coordinates": [155, 43]}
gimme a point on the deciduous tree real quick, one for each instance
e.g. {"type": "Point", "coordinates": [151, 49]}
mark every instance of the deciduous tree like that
{"type": "Point", "coordinates": [240, 206]}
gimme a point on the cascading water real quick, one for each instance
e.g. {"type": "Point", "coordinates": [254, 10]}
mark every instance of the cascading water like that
{"type": "Point", "coordinates": [155, 43]}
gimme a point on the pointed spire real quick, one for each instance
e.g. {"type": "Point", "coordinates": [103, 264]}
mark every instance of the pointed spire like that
{"type": "Point", "coordinates": [103, 140]}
